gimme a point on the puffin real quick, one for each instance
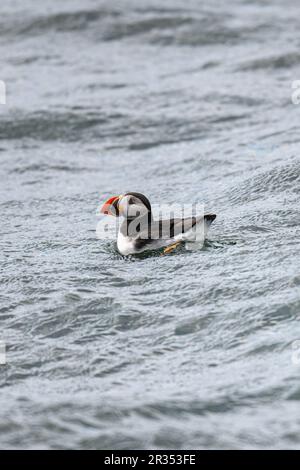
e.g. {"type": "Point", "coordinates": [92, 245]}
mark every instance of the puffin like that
{"type": "Point", "coordinates": [139, 231]}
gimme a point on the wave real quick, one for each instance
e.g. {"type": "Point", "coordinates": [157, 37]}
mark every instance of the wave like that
{"type": "Point", "coordinates": [164, 26]}
{"type": "Point", "coordinates": [283, 178]}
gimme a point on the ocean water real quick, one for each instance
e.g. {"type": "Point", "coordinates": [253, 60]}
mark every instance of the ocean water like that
{"type": "Point", "coordinates": [186, 102]}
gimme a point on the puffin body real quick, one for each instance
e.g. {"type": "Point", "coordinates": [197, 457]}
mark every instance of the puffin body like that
{"type": "Point", "coordinates": [139, 231]}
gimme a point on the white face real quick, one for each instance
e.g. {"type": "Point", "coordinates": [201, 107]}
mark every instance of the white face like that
{"type": "Point", "coordinates": [131, 207]}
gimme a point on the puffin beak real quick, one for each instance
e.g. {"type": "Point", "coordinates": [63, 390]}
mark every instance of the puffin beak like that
{"type": "Point", "coordinates": [108, 207]}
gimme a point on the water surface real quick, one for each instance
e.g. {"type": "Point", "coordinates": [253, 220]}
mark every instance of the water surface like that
{"type": "Point", "coordinates": [185, 102]}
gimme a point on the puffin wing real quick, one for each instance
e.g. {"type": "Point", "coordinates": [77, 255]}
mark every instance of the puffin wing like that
{"type": "Point", "coordinates": [186, 228]}
{"type": "Point", "coordinates": [165, 231]}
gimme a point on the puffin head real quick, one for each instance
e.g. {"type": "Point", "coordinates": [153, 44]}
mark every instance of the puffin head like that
{"type": "Point", "coordinates": [129, 206]}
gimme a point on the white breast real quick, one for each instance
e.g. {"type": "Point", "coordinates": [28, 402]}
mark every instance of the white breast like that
{"type": "Point", "coordinates": [125, 245]}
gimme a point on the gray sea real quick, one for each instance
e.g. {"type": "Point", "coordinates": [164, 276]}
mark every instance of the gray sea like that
{"type": "Point", "coordinates": [184, 101]}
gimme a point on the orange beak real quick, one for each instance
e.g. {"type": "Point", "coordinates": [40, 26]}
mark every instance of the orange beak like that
{"type": "Point", "coordinates": [108, 207]}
